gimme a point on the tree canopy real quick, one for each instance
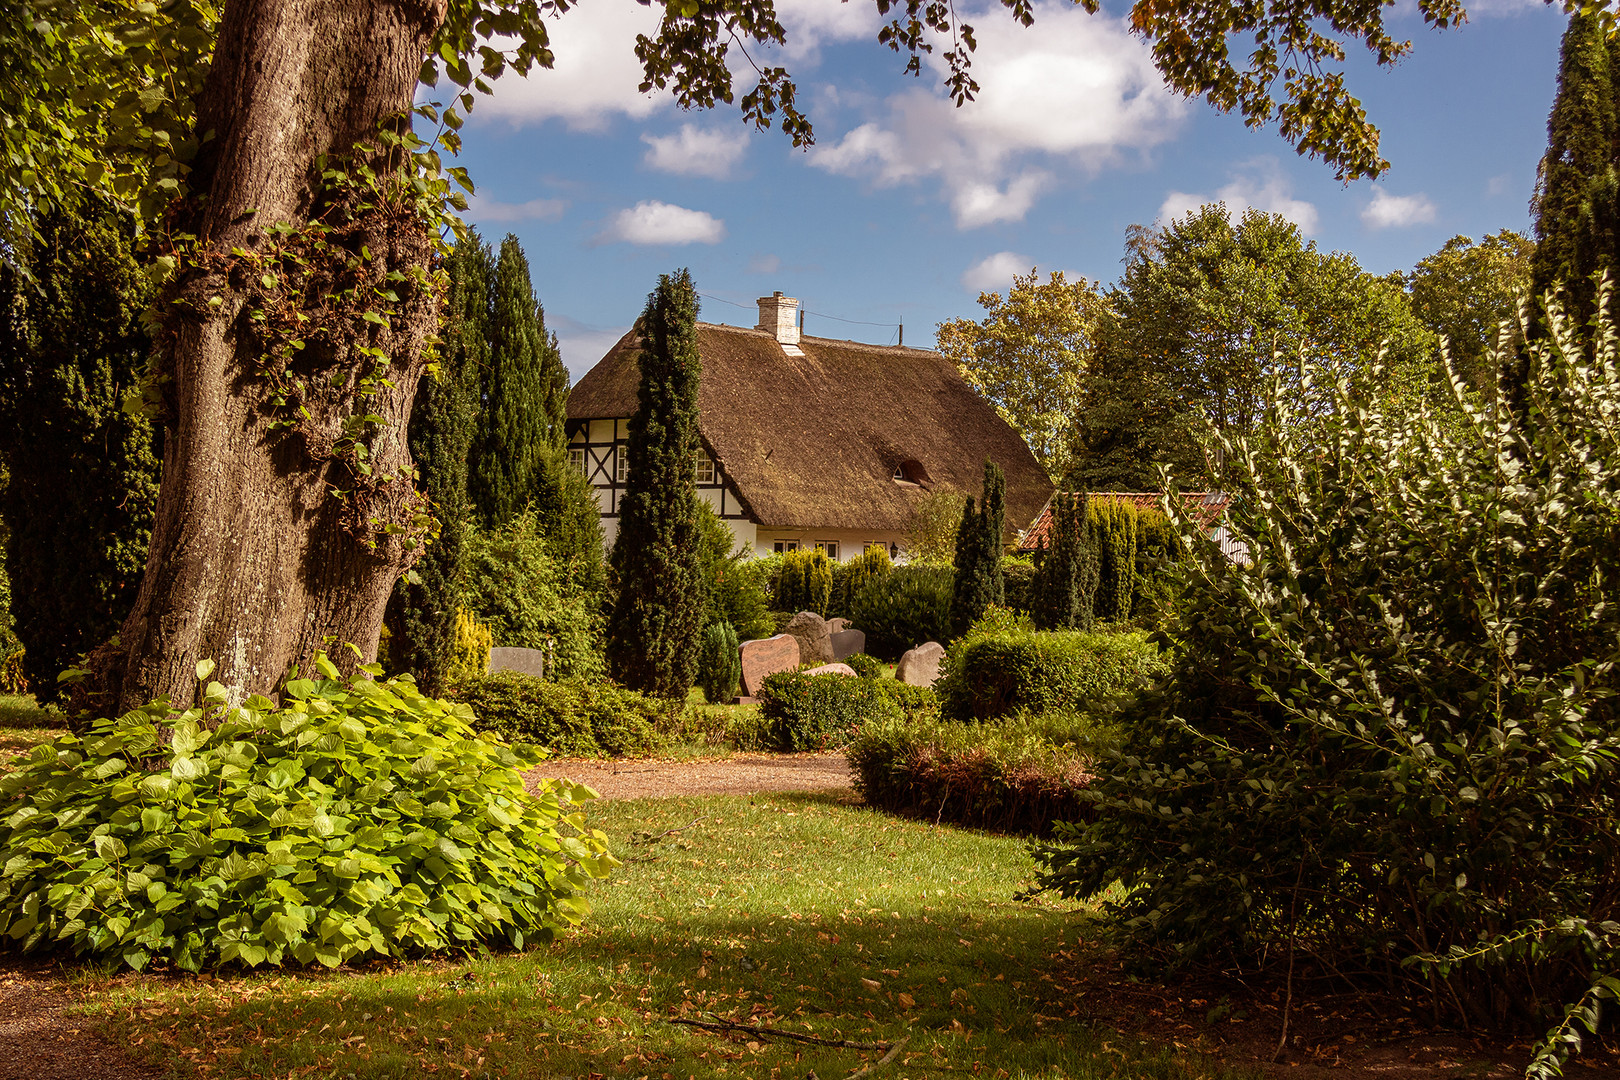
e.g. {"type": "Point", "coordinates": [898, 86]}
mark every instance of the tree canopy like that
{"type": "Point", "coordinates": [1465, 292]}
{"type": "Point", "coordinates": [1209, 311]}
{"type": "Point", "coordinates": [1029, 356]}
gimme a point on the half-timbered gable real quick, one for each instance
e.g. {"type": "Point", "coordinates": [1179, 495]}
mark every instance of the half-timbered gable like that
{"type": "Point", "coordinates": [811, 442]}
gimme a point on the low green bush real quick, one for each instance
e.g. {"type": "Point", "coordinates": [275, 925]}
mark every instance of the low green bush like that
{"type": "Point", "coordinates": [1018, 583]}
{"type": "Point", "coordinates": [865, 665]}
{"type": "Point", "coordinates": [851, 577]}
{"type": "Point", "coordinates": [805, 581]}
{"type": "Point", "coordinates": [995, 674]}
{"type": "Point", "coordinates": [575, 717]}
{"type": "Point", "coordinates": [1019, 774]}
{"type": "Point", "coordinates": [903, 609]}
{"type": "Point", "coordinates": [357, 817]}
{"type": "Point", "coordinates": [818, 712]}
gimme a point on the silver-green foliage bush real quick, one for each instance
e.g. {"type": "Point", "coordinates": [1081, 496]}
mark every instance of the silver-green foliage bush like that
{"type": "Point", "coordinates": [1390, 737]}
{"type": "Point", "coordinates": [357, 817]}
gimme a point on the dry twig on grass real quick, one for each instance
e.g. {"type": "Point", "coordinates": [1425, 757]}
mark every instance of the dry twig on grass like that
{"type": "Point", "coordinates": [727, 1027]}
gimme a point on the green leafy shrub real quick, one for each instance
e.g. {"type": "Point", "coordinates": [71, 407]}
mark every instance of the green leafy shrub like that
{"type": "Point", "coordinates": [851, 577]}
{"type": "Point", "coordinates": [999, 673]}
{"type": "Point", "coordinates": [815, 712]}
{"type": "Point", "coordinates": [779, 621]}
{"type": "Point", "coordinates": [515, 585]}
{"type": "Point", "coordinates": [866, 665]}
{"type": "Point", "coordinates": [1018, 582]}
{"type": "Point", "coordinates": [574, 717]}
{"type": "Point", "coordinates": [1019, 774]}
{"type": "Point", "coordinates": [720, 663]}
{"type": "Point", "coordinates": [805, 581]}
{"type": "Point", "coordinates": [358, 817]}
{"type": "Point", "coordinates": [908, 607]}
{"type": "Point", "coordinates": [1392, 732]}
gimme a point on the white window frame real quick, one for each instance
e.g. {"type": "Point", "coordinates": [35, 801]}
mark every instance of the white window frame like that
{"type": "Point", "coordinates": [703, 468]}
{"type": "Point", "coordinates": [621, 463]}
{"type": "Point", "coordinates": [576, 459]}
{"type": "Point", "coordinates": [782, 547]}
{"type": "Point", "coordinates": [830, 547]}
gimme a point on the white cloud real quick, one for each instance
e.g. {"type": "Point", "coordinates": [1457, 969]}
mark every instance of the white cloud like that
{"type": "Point", "coordinates": [1388, 211]}
{"type": "Point", "coordinates": [653, 222]}
{"type": "Point", "coordinates": [493, 211]}
{"type": "Point", "coordinates": [995, 273]}
{"type": "Point", "coordinates": [1076, 88]}
{"type": "Point", "coordinates": [1260, 184]}
{"type": "Point", "coordinates": [692, 151]}
{"type": "Point", "coordinates": [596, 74]}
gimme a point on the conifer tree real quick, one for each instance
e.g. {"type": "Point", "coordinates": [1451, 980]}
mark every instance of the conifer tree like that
{"type": "Point", "coordinates": [421, 614]}
{"type": "Point", "coordinates": [654, 633]}
{"type": "Point", "coordinates": [1576, 204]}
{"type": "Point", "coordinates": [514, 437]}
{"type": "Point", "coordinates": [979, 582]}
{"type": "Point", "coordinates": [83, 482]}
{"type": "Point", "coordinates": [1065, 585]}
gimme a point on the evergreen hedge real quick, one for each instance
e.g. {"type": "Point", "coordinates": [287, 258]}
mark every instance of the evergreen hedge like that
{"type": "Point", "coordinates": [904, 609]}
{"type": "Point", "coordinates": [572, 717]}
{"type": "Point", "coordinates": [997, 674]}
{"type": "Point", "coordinates": [720, 664]}
{"type": "Point", "coordinates": [1114, 522]}
{"type": "Point", "coordinates": [805, 582]}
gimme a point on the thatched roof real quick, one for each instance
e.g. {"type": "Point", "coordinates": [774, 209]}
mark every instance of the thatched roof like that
{"type": "Point", "coordinates": [1205, 507]}
{"type": "Point", "coordinates": [813, 441]}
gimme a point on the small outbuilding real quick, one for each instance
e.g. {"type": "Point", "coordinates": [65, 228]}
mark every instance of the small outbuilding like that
{"type": "Point", "coordinates": [811, 442]}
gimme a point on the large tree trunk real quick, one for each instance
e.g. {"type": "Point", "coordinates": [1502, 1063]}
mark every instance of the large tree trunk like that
{"type": "Point", "coordinates": [272, 539]}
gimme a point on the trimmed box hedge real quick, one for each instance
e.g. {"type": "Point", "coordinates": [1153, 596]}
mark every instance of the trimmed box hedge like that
{"type": "Point", "coordinates": [819, 712]}
{"type": "Point", "coordinates": [575, 718]}
{"type": "Point", "coordinates": [997, 674]}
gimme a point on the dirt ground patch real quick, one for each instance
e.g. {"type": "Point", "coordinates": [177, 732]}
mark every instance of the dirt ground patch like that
{"type": "Point", "coordinates": [740, 774]}
{"type": "Point", "coordinates": [41, 1039]}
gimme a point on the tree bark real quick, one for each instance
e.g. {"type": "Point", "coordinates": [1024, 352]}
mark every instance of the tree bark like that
{"type": "Point", "coordinates": [275, 536]}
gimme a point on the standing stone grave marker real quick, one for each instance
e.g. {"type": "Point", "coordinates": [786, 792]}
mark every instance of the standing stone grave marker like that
{"type": "Point", "coordinates": [764, 657]}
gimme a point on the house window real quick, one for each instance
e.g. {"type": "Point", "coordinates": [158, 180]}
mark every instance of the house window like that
{"type": "Point", "coordinates": [621, 463]}
{"type": "Point", "coordinates": [830, 547]}
{"type": "Point", "coordinates": [786, 545]}
{"type": "Point", "coordinates": [576, 460]}
{"type": "Point", "coordinates": [705, 468]}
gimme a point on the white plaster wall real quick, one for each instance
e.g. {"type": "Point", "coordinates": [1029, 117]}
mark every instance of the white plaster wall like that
{"type": "Point", "coordinates": [851, 542]}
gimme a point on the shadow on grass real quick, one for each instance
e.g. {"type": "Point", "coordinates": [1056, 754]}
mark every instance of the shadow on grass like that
{"type": "Point", "coordinates": [24, 724]}
{"type": "Point", "coordinates": [788, 911]}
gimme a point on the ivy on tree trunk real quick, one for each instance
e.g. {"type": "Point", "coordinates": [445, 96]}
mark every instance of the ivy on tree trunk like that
{"type": "Point", "coordinates": [291, 341]}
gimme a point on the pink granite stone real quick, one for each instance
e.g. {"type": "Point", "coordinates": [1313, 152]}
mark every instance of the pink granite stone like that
{"type": "Point", "coordinates": [764, 657]}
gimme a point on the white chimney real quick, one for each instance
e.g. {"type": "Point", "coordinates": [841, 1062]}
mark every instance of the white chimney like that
{"type": "Point", "coordinates": [779, 315]}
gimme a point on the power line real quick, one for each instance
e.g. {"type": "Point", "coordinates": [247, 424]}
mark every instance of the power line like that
{"type": "Point", "coordinates": [818, 314]}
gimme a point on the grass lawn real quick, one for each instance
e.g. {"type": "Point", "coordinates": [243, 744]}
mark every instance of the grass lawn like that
{"type": "Point", "coordinates": [24, 725]}
{"type": "Point", "coordinates": [791, 911]}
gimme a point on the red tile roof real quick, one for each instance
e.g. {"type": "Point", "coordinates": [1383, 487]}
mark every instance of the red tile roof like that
{"type": "Point", "coordinates": [1206, 508]}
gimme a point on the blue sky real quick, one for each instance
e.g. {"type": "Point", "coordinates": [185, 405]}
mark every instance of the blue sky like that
{"type": "Point", "coordinates": [907, 208]}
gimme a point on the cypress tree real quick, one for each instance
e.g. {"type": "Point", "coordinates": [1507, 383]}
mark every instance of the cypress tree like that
{"type": "Point", "coordinates": [83, 482]}
{"type": "Point", "coordinates": [1065, 586]}
{"type": "Point", "coordinates": [1577, 201]}
{"type": "Point", "coordinates": [979, 582]}
{"type": "Point", "coordinates": [654, 632]}
{"type": "Point", "coordinates": [421, 614]}
{"type": "Point", "coordinates": [515, 435]}
{"type": "Point", "coordinates": [1114, 525]}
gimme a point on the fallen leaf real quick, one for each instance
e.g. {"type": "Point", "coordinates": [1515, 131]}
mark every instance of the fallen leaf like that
{"type": "Point", "coordinates": [872, 984]}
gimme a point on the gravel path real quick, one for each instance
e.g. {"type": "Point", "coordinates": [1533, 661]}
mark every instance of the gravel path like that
{"type": "Point", "coordinates": [740, 774]}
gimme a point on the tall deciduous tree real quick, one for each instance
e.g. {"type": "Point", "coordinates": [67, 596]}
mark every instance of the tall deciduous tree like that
{"type": "Point", "coordinates": [1465, 292]}
{"type": "Point", "coordinates": [1209, 312]}
{"type": "Point", "coordinates": [1029, 356]}
{"type": "Point", "coordinates": [83, 471]}
{"type": "Point", "coordinates": [294, 325]}
{"type": "Point", "coordinates": [421, 614]}
{"type": "Point", "coordinates": [653, 634]}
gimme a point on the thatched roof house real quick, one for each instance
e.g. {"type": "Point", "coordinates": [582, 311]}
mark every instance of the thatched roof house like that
{"type": "Point", "coordinates": [811, 441]}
